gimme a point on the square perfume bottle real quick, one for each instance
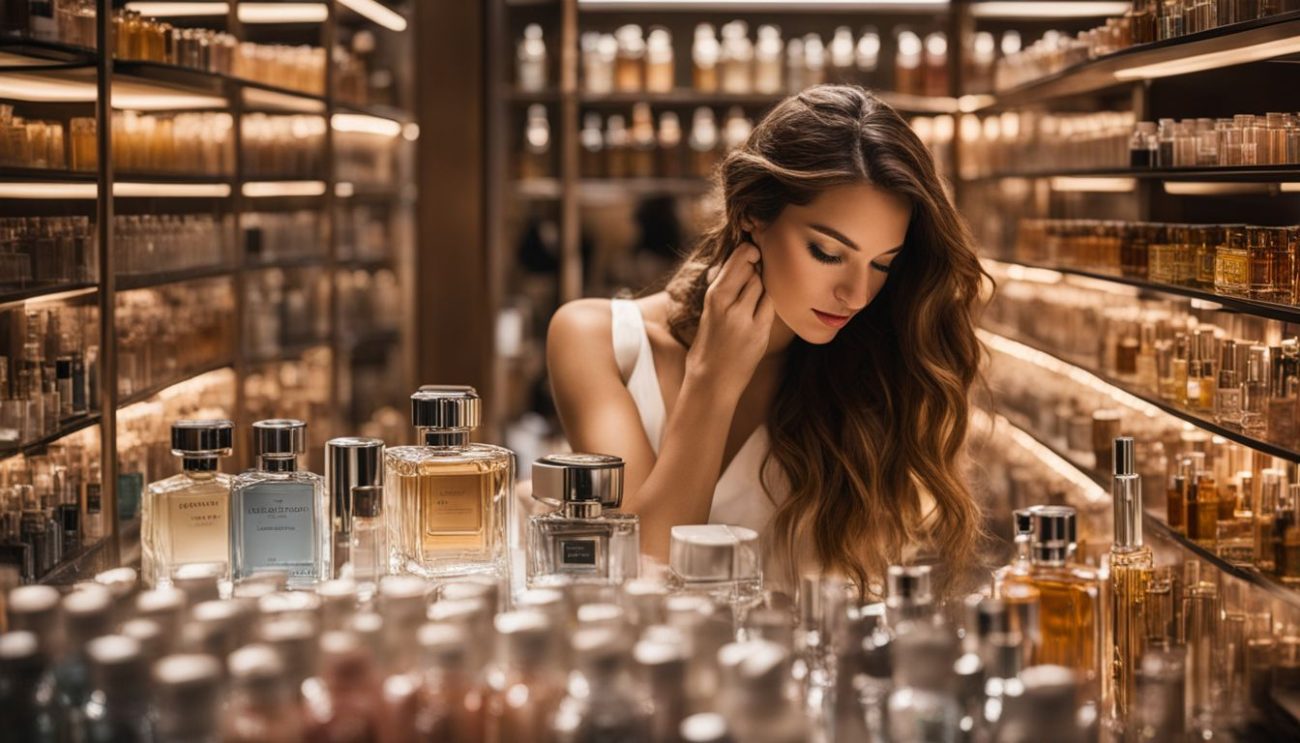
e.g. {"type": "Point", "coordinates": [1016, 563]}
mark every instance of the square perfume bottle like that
{"type": "Point", "coordinates": [584, 540]}
{"type": "Point", "coordinates": [185, 517]}
{"type": "Point", "coordinates": [719, 562]}
{"type": "Point", "coordinates": [446, 500]}
{"type": "Point", "coordinates": [279, 514]}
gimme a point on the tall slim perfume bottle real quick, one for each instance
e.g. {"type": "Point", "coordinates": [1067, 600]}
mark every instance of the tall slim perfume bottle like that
{"type": "Point", "coordinates": [350, 462]}
{"type": "Point", "coordinates": [1131, 563]}
{"type": "Point", "coordinates": [185, 517]}
{"type": "Point", "coordinates": [279, 514]}
{"type": "Point", "coordinates": [447, 499]}
{"type": "Point", "coordinates": [368, 536]}
{"type": "Point", "coordinates": [585, 540]}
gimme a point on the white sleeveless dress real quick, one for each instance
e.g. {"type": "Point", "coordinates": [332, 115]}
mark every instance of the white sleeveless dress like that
{"type": "Point", "coordinates": [739, 498]}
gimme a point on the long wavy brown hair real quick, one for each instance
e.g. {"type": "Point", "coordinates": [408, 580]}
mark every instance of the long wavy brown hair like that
{"type": "Point", "coordinates": [860, 424]}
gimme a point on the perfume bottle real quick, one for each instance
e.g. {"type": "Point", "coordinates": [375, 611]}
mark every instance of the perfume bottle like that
{"type": "Point", "coordinates": [185, 518]}
{"type": "Point", "coordinates": [350, 462]}
{"type": "Point", "coordinates": [1232, 263]}
{"type": "Point", "coordinates": [531, 60]}
{"type": "Point", "coordinates": [368, 537]}
{"type": "Point", "coordinates": [908, 596]}
{"type": "Point", "coordinates": [1236, 537]}
{"type": "Point", "coordinates": [1206, 381]}
{"type": "Point", "coordinates": [1265, 507]}
{"type": "Point", "coordinates": [447, 499]}
{"type": "Point", "coordinates": [583, 541]}
{"type": "Point", "coordinates": [1255, 390]}
{"type": "Point", "coordinates": [279, 514]}
{"type": "Point", "coordinates": [1023, 524]}
{"type": "Point", "coordinates": [1203, 508]}
{"type": "Point", "coordinates": [1069, 595]}
{"type": "Point", "coordinates": [1131, 563]}
{"type": "Point", "coordinates": [1227, 395]}
{"type": "Point", "coordinates": [1286, 536]}
{"type": "Point", "coordinates": [1200, 630]}
{"type": "Point", "coordinates": [720, 562]}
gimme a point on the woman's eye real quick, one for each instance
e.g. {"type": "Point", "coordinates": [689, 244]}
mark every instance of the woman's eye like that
{"type": "Point", "coordinates": [822, 255]}
{"type": "Point", "coordinates": [880, 267]}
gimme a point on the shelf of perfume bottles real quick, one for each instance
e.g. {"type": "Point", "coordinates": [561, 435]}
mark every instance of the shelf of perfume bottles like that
{"type": "Point", "coordinates": [1070, 69]}
{"type": "Point", "coordinates": [1155, 523]}
{"type": "Point", "coordinates": [1216, 174]}
{"type": "Point", "coordinates": [1254, 439]}
{"type": "Point", "coordinates": [1267, 310]}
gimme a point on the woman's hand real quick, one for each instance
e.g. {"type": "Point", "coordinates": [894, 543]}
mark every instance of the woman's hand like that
{"type": "Point", "coordinates": [736, 324]}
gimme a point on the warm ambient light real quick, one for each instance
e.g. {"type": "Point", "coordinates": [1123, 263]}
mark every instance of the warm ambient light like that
{"type": "Point", "coordinates": [1212, 60]}
{"type": "Point", "coordinates": [1290, 187]}
{"type": "Point", "coordinates": [365, 124]}
{"type": "Point", "coordinates": [1096, 185]}
{"type": "Point", "coordinates": [252, 13]}
{"type": "Point", "coordinates": [255, 13]}
{"type": "Point", "coordinates": [272, 189]}
{"type": "Point", "coordinates": [344, 190]}
{"type": "Point", "coordinates": [760, 4]}
{"type": "Point", "coordinates": [1049, 10]}
{"type": "Point", "coordinates": [376, 12]}
{"type": "Point", "coordinates": [123, 189]}
{"type": "Point", "coordinates": [127, 94]}
{"type": "Point", "coordinates": [1198, 188]}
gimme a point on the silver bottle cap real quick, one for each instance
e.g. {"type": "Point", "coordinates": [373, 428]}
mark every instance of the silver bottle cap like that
{"type": "Point", "coordinates": [1123, 460]}
{"type": "Point", "coordinates": [446, 407]}
{"type": "Point", "coordinates": [1126, 494]}
{"type": "Point", "coordinates": [280, 438]}
{"type": "Point", "coordinates": [1054, 526]}
{"type": "Point", "coordinates": [579, 478]}
{"type": "Point", "coordinates": [1023, 519]}
{"type": "Point", "coordinates": [208, 438]}
{"type": "Point", "coordinates": [351, 461]}
{"type": "Point", "coordinates": [707, 552]}
{"type": "Point", "coordinates": [909, 584]}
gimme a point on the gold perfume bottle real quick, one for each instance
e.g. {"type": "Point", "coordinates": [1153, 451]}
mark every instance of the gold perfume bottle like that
{"type": "Point", "coordinates": [1069, 595]}
{"type": "Point", "coordinates": [1207, 352]}
{"type": "Point", "coordinates": [1236, 538]}
{"type": "Point", "coordinates": [1176, 496]}
{"type": "Point", "coordinates": [446, 500]}
{"type": "Point", "coordinates": [1286, 536]}
{"type": "Point", "coordinates": [1203, 510]}
{"type": "Point", "coordinates": [1131, 564]}
{"type": "Point", "coordinates": [1232, 263]}
{"type": "Point", "coordinates": [1265, 508]}
{"type": "Point", "coordinates": [1179, 370]}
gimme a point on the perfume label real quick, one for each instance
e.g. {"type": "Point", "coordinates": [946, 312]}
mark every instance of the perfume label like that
{"type": "Point", "coordinates": [278, 529]}
{"type": "Point", "coordinates": [454, 503]}
{"type": "Point", "coordinates": [578, 553]}
{"type": "Point", "coordinates": [199, 529]}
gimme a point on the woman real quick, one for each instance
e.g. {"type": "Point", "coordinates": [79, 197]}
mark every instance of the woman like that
{"type": "Point", "coordinates": [806, 372]}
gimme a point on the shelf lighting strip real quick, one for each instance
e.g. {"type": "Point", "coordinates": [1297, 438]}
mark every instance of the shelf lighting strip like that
{"type": "Point", "coordinates": [274, 189]}
{"type": "Point", "coordinates": [1075, 374]}
{"type": "Point", "coordinates": [760, 4]}
{"type": "Point", "coordinates": [366, 124]}
{"type": "Point", "coordinates": [1212, 60]}
{"type": "Point", "coordinates": [54, 190]}
{"type": "Point", "coordinates": [376, 12]}
{"type": "Point", "coordinates": [1063, 9]}
{"type": "Point", "coordinates": [251, 13]}
{"type": "Point", "coordinates": [1088, 487]}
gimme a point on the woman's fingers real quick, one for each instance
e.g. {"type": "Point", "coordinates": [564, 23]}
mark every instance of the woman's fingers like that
{"type": "Point", "coordinates": [738, 267]}
{"type": "Point", "coordinates": [750, 293]}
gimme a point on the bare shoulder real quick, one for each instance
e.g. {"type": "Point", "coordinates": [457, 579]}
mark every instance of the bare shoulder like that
{"type": "Point", "coordinates": [581, 324]}
{"type": "Point", "coordinates": [655, 308]}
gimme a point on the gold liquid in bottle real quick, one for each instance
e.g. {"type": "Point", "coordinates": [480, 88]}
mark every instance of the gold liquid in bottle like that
{"type": "Point", "coordinates": [1131, 566]}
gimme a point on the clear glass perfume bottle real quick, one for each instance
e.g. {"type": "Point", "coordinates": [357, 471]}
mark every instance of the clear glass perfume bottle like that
{"type": "Point", "coordinates": [584, 541]}
{"type": "Point", "coordinates": [185, 517]}
{"type": "Point", "coordinates": [279, 514]}
{"type": "Point", "coordinates": [350, 462]}
{"type": "Point", "coordinates": [1236, 537]}
{"type": "Point", "coordinates": [368, 537]}
{"type": "Point", "coordinates": [447, 499]}
{"type": "Point", "coordinates": [718, 561]}
{"type": "Point", "coordinates": [1255, 389]}
{"type": "Point", "coordinates": [1131, 563]}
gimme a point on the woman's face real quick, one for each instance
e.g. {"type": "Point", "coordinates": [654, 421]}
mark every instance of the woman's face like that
{"type": "Point", "coordinates": [826, 260]}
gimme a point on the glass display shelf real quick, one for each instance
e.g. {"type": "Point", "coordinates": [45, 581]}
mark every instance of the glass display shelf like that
{"type": "Point", "coordinates": [1238, 43]}
{"type": "Point", "coordinates": [1156, 527]}
{"type": "Point", "coordinates": [1205, 424]}
{"type": "Point", "coordinates": [66, 428]}
{"type": "Point", "coordinates": [1256, 308]}
{"type": "Point", "coordinates": [149, 392]}
{"type": "Point", "coordinates": [1218, 174]}
{"type": "Point", "coordinates": [161, 278]}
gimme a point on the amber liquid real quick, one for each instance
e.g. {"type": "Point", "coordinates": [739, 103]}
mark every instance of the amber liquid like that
{"type": "Point", "coordinates": [1130, 577]}
{"type": "Point", "coordinates": [1175, 507]}
{"type": "Point", "coordinates": [1068, 618]}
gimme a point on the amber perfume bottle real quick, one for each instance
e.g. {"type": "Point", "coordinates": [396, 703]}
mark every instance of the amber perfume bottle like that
{"type": "Point", "coordinates": [447, 498]}
{"type": "Point", "coordinates": [1232, 263]}
{"type": "Point", "coordinates": [1203, 510]}
{"type": "Point", "coordinates": [1176, 496]}
{"type": "Point", "coordinates": [1266, 505]}
{"type": "Point", "coordinates": [1236, 537]}
{"type": "Point", "coordinates": [1286, 536]}
{"type": "Point", "coordinates": [1069, 595]}
{"type": "Point", "coordinates": [1227, 396]}
{"type": "Point", "coordinates": [1131, 564]}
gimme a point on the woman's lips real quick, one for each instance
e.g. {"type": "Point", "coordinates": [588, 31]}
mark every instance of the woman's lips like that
{"type": "Point", "coordinates": [835, 321]}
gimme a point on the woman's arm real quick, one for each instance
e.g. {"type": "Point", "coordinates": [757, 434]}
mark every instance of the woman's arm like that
{"type": "Point", "coordinates": [600, 416]}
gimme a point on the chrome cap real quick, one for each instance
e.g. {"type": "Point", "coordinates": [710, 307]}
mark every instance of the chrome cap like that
{"type": "Point", "coordinates": [446, 407]}
{"type": "Point", "coordinates": [280, 438]}
{"type": "Point", "coordinates": [579, 478]}
{"type": "Point", "coordinates": [909, 584]}
{"type": "Point", "coordinates": [705, 552]}
{"type": "Point", "coordinates": [205, 438]}
{"type": "Point", "coordinates": [351, 461]}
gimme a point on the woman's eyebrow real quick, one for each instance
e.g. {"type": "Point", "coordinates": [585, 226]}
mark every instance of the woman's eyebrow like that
{"type": "Point", "coordinates": [835, 235]}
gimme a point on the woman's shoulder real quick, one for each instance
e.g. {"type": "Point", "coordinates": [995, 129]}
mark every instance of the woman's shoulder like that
{"type": "Point", "coordinates": [582, 321]}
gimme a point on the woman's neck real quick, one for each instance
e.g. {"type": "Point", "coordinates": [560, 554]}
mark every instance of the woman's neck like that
{"type": "Point", "coordinates": [779, 339]}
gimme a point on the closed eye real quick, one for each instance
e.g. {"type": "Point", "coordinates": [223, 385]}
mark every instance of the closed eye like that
{"type": "Point", "coordinates": [881, 267]}
{"type": "Point", "coordinates": [821, 255]}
